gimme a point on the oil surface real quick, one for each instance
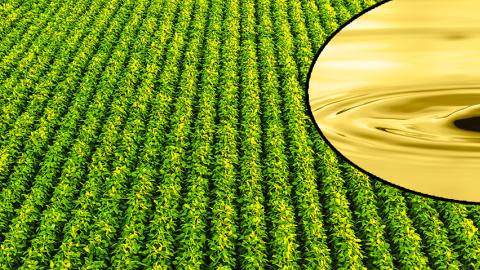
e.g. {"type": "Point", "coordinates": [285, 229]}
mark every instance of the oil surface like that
{"type": "Point", "coordinates": [397, 92]}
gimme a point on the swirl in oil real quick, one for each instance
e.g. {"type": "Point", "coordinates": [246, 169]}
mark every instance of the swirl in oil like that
{"type": "Point", "coordinates": [397, 92]}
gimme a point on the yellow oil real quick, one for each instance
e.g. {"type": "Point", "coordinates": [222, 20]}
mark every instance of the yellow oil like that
{"type": "Point", "coordinates": [397, 92]}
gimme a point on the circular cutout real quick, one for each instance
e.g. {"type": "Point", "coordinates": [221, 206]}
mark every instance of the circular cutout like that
{"type": "Point", "coordinates": [397, 92]}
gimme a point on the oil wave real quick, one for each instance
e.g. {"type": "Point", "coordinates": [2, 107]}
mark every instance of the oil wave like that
{"type": "Point", "coordinates": [436, 124]}
{"type": "Point", "coordinates": [397, 92]}
{"type": "Point", "coordinates": [426, 135]}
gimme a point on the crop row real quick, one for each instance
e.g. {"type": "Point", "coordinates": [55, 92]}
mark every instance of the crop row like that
{"type": "Point", "coordinates": [34, 144]}
{"type": "Point", "coordinates": [192, 237]}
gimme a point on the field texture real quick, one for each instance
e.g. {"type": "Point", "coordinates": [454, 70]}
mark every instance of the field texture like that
{"type": "Point", "coordinates": [150, 134]}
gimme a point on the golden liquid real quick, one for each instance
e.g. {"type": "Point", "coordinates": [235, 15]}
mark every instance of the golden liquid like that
{"type": "Point", "coordinates": [397, 92]}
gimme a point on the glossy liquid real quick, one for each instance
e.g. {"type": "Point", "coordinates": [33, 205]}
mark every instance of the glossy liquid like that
{"type": "Point", "coordinates": [397, 92]}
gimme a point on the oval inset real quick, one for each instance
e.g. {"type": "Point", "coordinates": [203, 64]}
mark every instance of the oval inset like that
{"type": "Point", "coordinates": [397, 92]}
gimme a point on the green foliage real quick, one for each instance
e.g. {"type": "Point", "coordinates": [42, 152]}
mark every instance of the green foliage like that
{"type": "Point", "coordinates": [462, 232]}
{"type": "Point", "coordinates": [191, 250]}
{"type": "Point", "coordinates": [367, 219]}
{"type": "Point", "coordinates": [251, 200]}
{"type": "Point", "coordinates": [158, 134]}
{"type": "Point", "coordinates": [432, 229]}
{"type": "Point", "coordinates": [406, 242]}
{"type": "Point", "coordinates": [159, 252]}
{"type": "Point", "coordinates": [222, 245]}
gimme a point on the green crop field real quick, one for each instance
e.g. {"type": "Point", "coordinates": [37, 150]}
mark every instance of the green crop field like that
{"type": "Point", "coordinates": [174, 134]}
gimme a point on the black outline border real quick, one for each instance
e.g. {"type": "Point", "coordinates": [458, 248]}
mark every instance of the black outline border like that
{"type": "Point", "coordinates": [307, 100]}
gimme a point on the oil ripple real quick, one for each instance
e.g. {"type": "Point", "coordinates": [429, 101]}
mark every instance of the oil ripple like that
{"type": "Point", "coordinates": [397, 92]}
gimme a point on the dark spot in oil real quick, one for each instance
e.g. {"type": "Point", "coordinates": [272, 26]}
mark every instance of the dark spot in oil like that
{"type": "Point", "coordinates": [456, 36]}
{"type": "Point", "coordinates": [469, 124]}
